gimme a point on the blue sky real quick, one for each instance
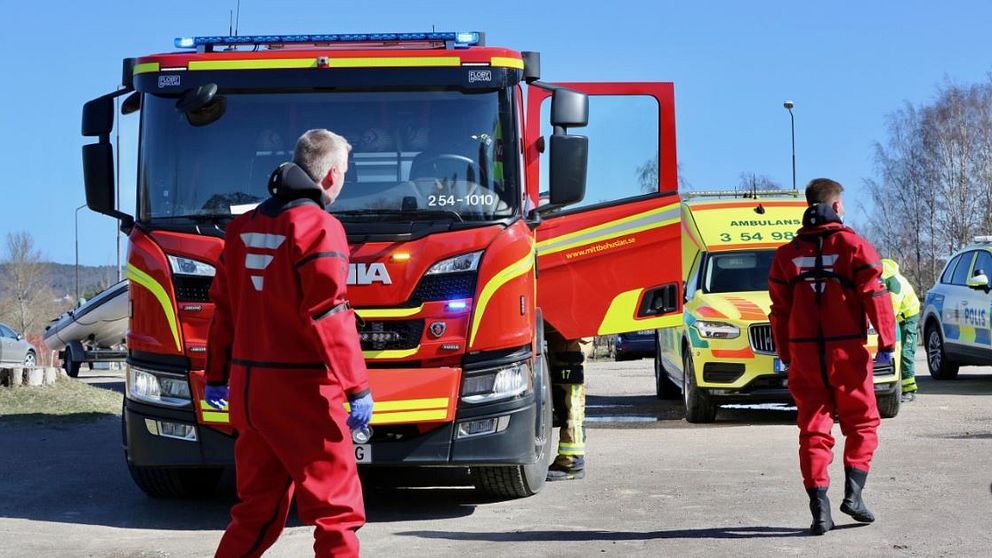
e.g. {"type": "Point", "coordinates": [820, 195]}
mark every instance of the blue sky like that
{"type": "Point", "coordinates": [845, 64]}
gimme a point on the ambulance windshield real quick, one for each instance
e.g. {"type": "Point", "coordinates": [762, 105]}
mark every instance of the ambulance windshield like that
{"type": "Point", "coordinates": [730, 272]}
{"type": "Point", "coordinates": [415, 154]}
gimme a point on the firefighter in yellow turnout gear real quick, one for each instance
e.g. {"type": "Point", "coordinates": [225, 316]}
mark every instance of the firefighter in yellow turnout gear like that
{"type": "Point", "coordinates": [568, 392]}
{"type": "Point", "coordinates": [907, 309]}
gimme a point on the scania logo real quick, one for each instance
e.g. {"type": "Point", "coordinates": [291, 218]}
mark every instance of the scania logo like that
{"type": "Point", "coordinates": [437, 329]}
{"type": "Point", "coordinates": [367, 274]}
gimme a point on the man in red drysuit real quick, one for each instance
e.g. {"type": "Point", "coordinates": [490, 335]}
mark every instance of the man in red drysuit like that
{"type": "Point", "coordinates": [284, 337]}
{"type": "Point", "coordinates": [823, 285]}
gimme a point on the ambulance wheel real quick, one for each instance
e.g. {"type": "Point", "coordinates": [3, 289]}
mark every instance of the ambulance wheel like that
{"type": "Point", "coordinates": [164, 482]}
{"type": "Point", "coordinates": [937, 362]}
{"type": "Point", "coordinates": [663, 386]}
{"type": "Point", "coordinates": [520, 481]}
{"type": "Point", "coordinates": [698, 405]}
{"type": "Point", "coordinates": [888, 405]}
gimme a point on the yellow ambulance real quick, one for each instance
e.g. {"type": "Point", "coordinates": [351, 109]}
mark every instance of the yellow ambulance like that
{"type": "Point", "coordinates": [723, 351]}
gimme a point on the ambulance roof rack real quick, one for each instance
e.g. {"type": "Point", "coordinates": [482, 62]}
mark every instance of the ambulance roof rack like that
{"type": "Point", "coordinates": [985, 239]}
{"type": "Point", "coordinates": [447, 40]}
{"type": "Point", "coordinates": [743, 194]}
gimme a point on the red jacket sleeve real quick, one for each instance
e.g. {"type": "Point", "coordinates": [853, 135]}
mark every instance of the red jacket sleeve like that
{"type": "Point", "coordinates": [780, 291]}
{"type": "Point", "coordinates": [867, 269]}
{"type": "Point", "coordinates": [323, 272]}
{"type": "Point", "coordinates": [221, 334]}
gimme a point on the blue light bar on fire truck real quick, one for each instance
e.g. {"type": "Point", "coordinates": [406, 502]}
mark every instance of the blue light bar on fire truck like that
{"type": "Point", "coordinates": [458, 40]}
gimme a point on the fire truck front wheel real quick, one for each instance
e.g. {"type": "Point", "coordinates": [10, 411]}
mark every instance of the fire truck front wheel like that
{"type": "Point", "coordinates": [520, 481]}
{"type": "Point", "coordinates": [179, 483]}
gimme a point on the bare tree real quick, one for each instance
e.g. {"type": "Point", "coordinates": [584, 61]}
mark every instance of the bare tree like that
{"type": "Point", "coordinates": [754, 181]}
{"type": "Point", "coordinates": [647, 175]}
{"type": "Point", "coordinates": [933, 191]}
{"type": "Point", "coordinates": [27, 302]}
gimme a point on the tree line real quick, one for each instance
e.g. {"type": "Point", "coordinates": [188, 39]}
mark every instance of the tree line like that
{"type": "Point", "coordinates": [933, 190]}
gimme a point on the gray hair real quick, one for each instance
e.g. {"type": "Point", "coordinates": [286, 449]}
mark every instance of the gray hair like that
{"type": "Point", "coordinates": [318, 150]}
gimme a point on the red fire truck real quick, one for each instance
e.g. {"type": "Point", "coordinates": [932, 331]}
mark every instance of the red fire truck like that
{"type": "Point", "coordinates": [457, 258]}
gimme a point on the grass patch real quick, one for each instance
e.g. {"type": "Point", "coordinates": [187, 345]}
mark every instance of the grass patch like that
{"type": "Point", "coordinates": [65, 401]}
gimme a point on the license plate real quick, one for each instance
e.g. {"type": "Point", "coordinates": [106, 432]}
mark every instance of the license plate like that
{"type": "Point", "coordinates": [779, 367]}
{"type": "Point", "coordinates": [363, 453]}
{"type": "Point", "coordinates": [646, 332]}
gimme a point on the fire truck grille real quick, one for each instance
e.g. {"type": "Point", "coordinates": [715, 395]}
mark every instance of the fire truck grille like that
{"type": "Point", "coordinates": [191, 288]}
{"type": "Point", "coordinates": [446, 286]}
{"type": "Point", "coordinates": [761, 339]}
{"type": "Point", "coordinates": [393, 335]}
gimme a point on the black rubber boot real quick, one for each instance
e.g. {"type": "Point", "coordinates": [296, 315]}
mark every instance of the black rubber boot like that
{"type": "Point", "coordinates": [853, 505]}
{"type": "Point", "coordinates": [819, 506]}
{"type": "Point", "coordinates": [576, 470]}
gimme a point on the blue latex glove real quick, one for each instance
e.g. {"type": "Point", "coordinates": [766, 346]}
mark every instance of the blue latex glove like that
{"type": "Point", "coordinates": [216, 396]}
{"type": "Point", "coordinates": [361, 412]}
{"type": "Point", "coordinates": [885, 358]}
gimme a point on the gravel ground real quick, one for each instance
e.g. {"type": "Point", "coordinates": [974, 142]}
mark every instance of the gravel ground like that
{"type": "Point", "coordinates": [656, 486]}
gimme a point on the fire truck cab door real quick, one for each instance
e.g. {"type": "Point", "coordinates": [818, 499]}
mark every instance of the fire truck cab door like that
{"type": "Point", "coordinates": [611, 263]}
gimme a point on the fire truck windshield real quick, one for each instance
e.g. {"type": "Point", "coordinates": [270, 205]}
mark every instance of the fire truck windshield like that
{"type": "Point", "coordinates": [415, 154]}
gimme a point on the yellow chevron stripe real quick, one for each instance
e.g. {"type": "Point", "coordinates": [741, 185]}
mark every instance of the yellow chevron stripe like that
{"type": "Point", "coordinates": [376, 313]}
{"type": "Point", "coordinates": [409, 416]}
{"type": "Point", "coordinates": [206, 406]}
{"type": "Point", "coordinates": [607, 236]}
{"type": "Point", "coordinates": [262, 64]}
{"type": "Point", "coordinates": [145, 68]}
{"type": "Point", "coordinates": [148, 282]}
{"type": "Point", "coordinates": [614, 223]}
{"type": "Point", "coordinates": [506, 62]}
{"type": "Point", "coordinates": [620, 318]}
{"type": "Point", "coordinates": [509, 273]}
{"type": "Point", "coordinates": [378, 355]}
{"type": "Point", "coordinates": [395, 62]}
{"type": "Point", "coordinates": [406, 405]}
{"type": "Point", "coordinates": [214, 416]}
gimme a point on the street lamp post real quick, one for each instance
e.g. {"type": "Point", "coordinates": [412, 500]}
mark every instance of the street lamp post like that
{"type": "Point", "coordinates": [788, 106]}
{"type": "Point", "coordinates": [77, 251]}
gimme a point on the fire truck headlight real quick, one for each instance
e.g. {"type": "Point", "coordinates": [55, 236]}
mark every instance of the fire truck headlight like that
{"type": "Point", "coordinates": [464, 262]}
{"type": "Point", "coordinates": [157, 388]}
{"type": "Point", "coordinates": [717, 330]}
{"type": "Point", "coordinates": [186, 266]}
{"type": "Point", "coordinates": [495, 385]}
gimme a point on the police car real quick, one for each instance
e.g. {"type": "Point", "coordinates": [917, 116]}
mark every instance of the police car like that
{"type": "Point", "coordinates": [956, 312]}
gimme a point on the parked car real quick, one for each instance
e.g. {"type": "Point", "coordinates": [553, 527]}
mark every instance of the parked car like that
{"type": "Point", "coordinates": [15, 350]}
{"type": "Point", "coordinates": [956, 312]}
{"type": "Point", "coordinates": [638, 344]}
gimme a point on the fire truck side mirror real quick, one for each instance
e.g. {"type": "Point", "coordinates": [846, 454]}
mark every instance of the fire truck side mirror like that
{"type": "Point", "coordinates": [568, 161]}
{"type": "Point", "coordinates": [98, 176]}
{"type": "Point", "coordinates": [98, 158]}
{"type": "Point", "coordinates": [98, 116]}
{"type": "Point", "coordinates": [569, 109]}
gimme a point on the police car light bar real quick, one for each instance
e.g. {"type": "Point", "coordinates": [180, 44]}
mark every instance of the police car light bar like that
{"type": "Point", "coordinates": [457, 40]}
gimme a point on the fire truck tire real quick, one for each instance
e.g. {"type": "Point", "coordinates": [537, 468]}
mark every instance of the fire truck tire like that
{"type": "Point", "coordinates": [663, 385]}
{"type": "Point", "coordinates": [699, 407]}
{"type": "Point", "coordinates": [163, 482]}
{"type": "Point", "coordinates": [888, 405]}
{"type": "Point", "coordinates": [72, 360]}
{"type": "Point", "coordinates": [520, 481]}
